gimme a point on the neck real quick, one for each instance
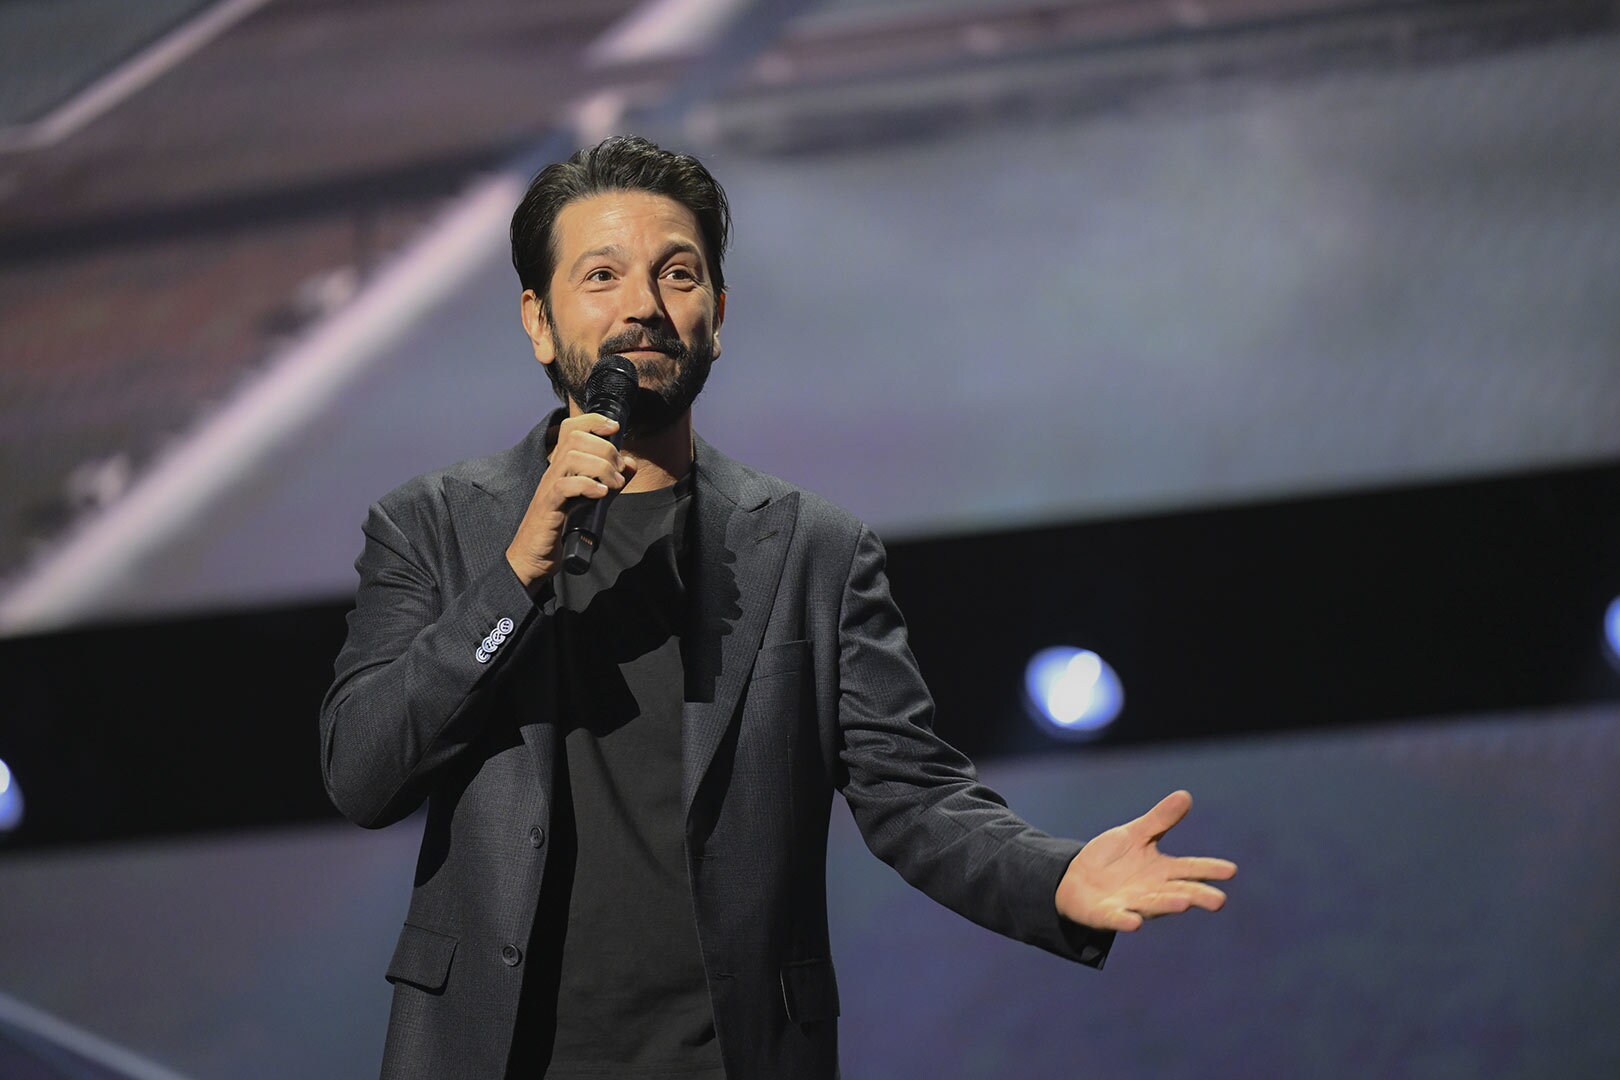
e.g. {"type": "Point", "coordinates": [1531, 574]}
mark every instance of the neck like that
{"type": "Point", "coordinates": [661, 458]}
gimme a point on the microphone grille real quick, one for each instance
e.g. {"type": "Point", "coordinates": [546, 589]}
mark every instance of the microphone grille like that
{"type": "Point", "coordinates": [608, 387]}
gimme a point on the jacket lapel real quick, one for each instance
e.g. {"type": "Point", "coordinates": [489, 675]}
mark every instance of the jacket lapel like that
{"type": "Point", "coordinates": [740, 536]}
{"type": "Point", "coordinates": [488, 505]}
{"type": "Point", "coordinates": [740, 539]}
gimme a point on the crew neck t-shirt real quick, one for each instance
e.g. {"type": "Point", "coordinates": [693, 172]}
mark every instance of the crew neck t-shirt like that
{"type": "Point", "coordinates": [615, 986]}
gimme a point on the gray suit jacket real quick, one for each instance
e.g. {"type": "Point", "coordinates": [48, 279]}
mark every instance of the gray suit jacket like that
{"type": "Point", "coordinates": [799, 683]}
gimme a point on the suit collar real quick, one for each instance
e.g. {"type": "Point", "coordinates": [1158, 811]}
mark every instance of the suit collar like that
{"type": "Point", "coordinates": [741, 529]}
{"type": "Point", "coordinates": [740, 542]}
{"type": "Point", "coordinates": [511, 476]}
{"type": "Point", "coordinates": [736, 483]}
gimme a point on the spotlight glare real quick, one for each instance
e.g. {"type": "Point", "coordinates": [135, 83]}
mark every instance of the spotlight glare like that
{"type": "Point", "coordinates": [11, 802]}
{"type": "Point", "coordinates": [1611, 627]}
{"type": "Point", "coordinates": [1071, 692]}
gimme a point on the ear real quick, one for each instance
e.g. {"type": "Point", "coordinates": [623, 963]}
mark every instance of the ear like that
{"type": "Point", "coordinates": [535, 325]}
{"type": "Point", "coordinates": [719, 320]}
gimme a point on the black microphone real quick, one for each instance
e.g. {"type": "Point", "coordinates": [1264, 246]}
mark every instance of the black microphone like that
{"type": "Point", "coordinates": [607, 391]}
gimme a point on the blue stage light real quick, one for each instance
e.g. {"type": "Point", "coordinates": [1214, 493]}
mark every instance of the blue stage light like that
{"type": "Point", "coordinates": [1611, 627]}
{"type": "Point", "coordinates": [1072, 692]}
{"type": "Point", "coordinates": [11, 803]}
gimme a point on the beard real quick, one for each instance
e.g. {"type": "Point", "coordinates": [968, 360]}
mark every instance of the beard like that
{"type": "Point", "coordinates": [661, 398]}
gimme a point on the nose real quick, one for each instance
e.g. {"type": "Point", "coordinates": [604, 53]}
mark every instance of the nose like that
{"type": "Point", "coordinates": [643, 303]}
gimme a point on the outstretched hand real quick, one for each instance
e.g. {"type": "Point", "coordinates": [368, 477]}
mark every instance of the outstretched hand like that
{"type": "Point", "coordinates": [1122, 878]}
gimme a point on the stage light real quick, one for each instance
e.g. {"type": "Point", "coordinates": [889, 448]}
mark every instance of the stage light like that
{"type": "Point", "coordinates": [1611, 627]}
{"type": "Point", "coordinates": [1072, 693]}
{"type": "Point", "coordinates": [11, 803]}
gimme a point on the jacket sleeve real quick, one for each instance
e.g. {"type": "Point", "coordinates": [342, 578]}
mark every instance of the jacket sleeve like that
{"type": "Point", "coordinates": [415, 676]}
{"type": "Point", "coordinates": [917, 800]}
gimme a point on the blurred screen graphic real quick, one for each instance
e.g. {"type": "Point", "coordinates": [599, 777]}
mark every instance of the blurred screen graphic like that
{"type": "Point", "coordinates": [1131, 270]}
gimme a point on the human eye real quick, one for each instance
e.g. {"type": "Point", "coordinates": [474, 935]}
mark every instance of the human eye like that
{"type": "Point", "coordinates": [599, 275]}
{"type": "Point", "coordinates": [681, 274]}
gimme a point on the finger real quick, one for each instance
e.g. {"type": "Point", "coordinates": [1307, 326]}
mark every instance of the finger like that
{"type": "Point", "coordinates": [575, 486]}
{"type": "Point", "coordinates": [1165, 901]}
{"type": "Point", "coordinates": [1159, 820]}
{"type": "Point", "coordinates": [584, 463]}
{"type": "Point", "coordinates": [1121, 919]}
{"type": "Point", "coordinates": [591, 423]}
{"type": "Point", "coordinates": [1198, 894]}
{"type": "Point", "coordinates": [585, 442]}
{"type": "Point", "coordinates": [1198, 868]}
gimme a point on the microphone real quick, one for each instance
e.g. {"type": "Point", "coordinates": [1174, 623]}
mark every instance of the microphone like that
{"type": "Point", "coordinates": [607, 391]}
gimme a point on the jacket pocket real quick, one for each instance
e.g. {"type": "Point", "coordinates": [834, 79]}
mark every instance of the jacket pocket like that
{"type": "Point", "coordinates": [810, 991]}
{"type": "Point", "coordinates": [422, 958]}
{"type": "Point", "coordinates": [775, 659]}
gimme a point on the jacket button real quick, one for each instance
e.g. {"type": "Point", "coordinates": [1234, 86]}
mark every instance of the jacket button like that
{"type": "Point", "coordinates": [511, 955]}
{"type": "Point", "coordinates": [537, 836]}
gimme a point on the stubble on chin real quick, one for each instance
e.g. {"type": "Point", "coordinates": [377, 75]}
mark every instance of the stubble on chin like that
{"type": "Point", "coordinates": [665, 389]}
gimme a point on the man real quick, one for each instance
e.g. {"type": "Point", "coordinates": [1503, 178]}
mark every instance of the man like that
{"type": "Point", "coordinates": [628, 772]}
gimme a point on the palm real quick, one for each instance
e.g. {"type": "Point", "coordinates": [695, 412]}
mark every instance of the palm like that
{"type": "Point", "coordinates": [1122, 878]}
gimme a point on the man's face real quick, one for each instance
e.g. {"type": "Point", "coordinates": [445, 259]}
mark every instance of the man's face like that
{"type": "Point", "coordinates": [631, 279]}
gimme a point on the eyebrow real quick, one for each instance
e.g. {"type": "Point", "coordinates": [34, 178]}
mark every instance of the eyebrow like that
{"type": "Point", "coordinates": [675, 247]}
{"type": "Point", "coordinates": [680, 247]}
{"type": "Point", "coordinates": [614, 250]}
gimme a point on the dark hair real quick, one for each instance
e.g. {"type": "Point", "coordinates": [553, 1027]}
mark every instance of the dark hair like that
{"type": "Point", "coordinates": [618, 163]}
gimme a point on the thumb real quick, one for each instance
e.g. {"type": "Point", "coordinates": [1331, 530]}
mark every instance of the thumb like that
{"type": "Point", "coordinates": [1163, 817]}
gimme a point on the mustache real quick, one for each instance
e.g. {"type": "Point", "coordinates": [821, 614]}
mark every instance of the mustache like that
{"type": "Point", "coordinates": [660, 338]}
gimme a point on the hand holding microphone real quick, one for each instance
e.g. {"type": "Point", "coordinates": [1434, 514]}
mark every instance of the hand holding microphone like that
{"type": "Point", "coordinates": [565, 518]}
{"type": "Point", "coordinates": [607, 394]}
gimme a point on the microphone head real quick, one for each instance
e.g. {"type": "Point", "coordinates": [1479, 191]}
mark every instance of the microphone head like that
{"type": "Point", "coordinates": [608, 388]}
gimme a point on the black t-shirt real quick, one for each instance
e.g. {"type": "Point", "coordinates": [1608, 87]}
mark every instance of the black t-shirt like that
{"type": "Point", "coordinates": [615, 985]}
